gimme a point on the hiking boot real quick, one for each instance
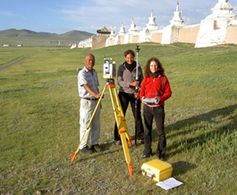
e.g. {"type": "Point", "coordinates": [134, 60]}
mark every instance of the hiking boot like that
{"type": "Point", "coordinates": [86, 150]}
{"type": "Point", "coordinates": [96, 148]}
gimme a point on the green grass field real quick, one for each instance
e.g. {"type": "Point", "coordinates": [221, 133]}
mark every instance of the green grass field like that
{"type": "Point", "coordinates": [39, 123]}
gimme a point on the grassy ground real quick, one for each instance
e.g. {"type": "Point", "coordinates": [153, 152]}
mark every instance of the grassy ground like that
{"type": "Point", "coordinates": [39, 123]}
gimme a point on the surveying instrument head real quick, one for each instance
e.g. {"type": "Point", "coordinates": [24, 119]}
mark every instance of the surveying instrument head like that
{"type": "Point", "coordinates": [109, 71]}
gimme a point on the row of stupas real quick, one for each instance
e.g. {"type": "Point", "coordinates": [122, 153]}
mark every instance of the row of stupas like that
{"type": "Point", "coordinates": [220, 27]}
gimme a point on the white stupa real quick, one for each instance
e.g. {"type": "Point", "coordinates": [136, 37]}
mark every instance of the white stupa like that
{"type": "Point", "coordinates": [133, 28]}
{"type": "Point", "coordinates": [122, 30]}
{"type": "Point", "coordinates": [177, 19]}
{"type": "Point", "coordinates": [171, 32]}
{"type": "Point", "coordinates": [152, 26]}
{"type": "Point", "coordinates": [214, 27]}
{"type": "Point", "coordinates": [146, 34]}
{"type": "Point", "coordinates": [132, 35]}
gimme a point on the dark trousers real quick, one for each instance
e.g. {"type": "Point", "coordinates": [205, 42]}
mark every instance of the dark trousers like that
{"type": "Point", "coordinates": [125, 99]}
{"type": "Point", "coordinates": [159, 115]}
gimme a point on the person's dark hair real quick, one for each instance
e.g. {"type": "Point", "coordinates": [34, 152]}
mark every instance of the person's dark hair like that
{"type": "Point", "coordinates": [129, 52]}
{"type": "Point", "coordinates": [160, 70]}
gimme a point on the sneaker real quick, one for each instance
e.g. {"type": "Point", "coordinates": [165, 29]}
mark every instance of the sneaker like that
{"type": "Point", "coordinates": [161, 157]}
{"type": "Point", "coordinates": [96, 148]}
{"type": "Point", "coordinates": [145, 155]}
{"type": "Point", "coordinates": [117, 142]}
{"type": "Point", "coordinates": [86, 150]}
{"type": "Point", "coordinates": [140, 141]}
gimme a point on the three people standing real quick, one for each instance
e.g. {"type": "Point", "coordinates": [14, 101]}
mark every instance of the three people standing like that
{"type": "Point", "coordinates": [154, 86]}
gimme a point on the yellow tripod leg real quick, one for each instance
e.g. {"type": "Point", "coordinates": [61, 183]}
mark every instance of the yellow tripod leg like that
{"type": "Point", "coordinates": [121, 115]}
{"type": "Point", "coordinates": [121, 124]}
{"type": "Point", "coordinates": [74, 154]}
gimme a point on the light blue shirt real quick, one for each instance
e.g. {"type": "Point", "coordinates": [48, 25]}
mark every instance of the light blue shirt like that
{"type": "Point", "coordinates": [87, 77]}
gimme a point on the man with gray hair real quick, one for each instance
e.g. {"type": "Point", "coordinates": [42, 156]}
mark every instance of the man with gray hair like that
{"type": "Point", "coordinates": [89, 93]}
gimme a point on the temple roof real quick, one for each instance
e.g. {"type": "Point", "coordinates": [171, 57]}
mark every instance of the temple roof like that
{"type": "Point", "coordinates": [103, 30]}
{"type": "Point", "coordinates": [224, 10]}
{"type": "Point", "coordinates": [223, 5]}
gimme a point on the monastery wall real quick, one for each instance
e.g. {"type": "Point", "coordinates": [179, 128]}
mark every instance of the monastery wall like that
{"type": "Point", "coordinates": [156, 37]}
{"type": "Point", "coordinates": [121, 39]}
{"type": "Point", "coordinates": [220, 27]}
{"type": "Point", "coordinates": [133, 38]}
{"type": "Point", "coordinates": [231, 35]}
{"type": "Point", "coordinates": [188, 34]}
{"type": "Point", "coordinates": [98, 41]}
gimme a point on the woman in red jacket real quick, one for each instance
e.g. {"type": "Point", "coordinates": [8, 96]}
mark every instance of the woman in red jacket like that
{"type": "Point", "coordinates": [155, 89]}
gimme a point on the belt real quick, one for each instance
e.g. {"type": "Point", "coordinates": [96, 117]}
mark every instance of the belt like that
{"type": "Point", "coordinates": [90, 99]}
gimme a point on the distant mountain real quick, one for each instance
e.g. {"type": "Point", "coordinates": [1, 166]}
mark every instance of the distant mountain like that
{"type": "Point", "coordinates": [31, 38]}
{"type": "Point", "coordinates": [76, 33]}
{"type": "Point", "coordinates": [24, 33]}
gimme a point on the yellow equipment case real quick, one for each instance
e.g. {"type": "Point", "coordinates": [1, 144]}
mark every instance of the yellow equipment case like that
{"type": "Point", "coordinates": [156, 169]}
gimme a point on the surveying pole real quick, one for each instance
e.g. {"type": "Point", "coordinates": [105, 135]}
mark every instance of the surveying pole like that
{"type": "Point", "coordinates": [136, 91]}
{"type": "Point", "coordinates": [109, 74]}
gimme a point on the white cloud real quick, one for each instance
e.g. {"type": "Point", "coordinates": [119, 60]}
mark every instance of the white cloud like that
{"type": "Point", "coordinates": [113, 13]}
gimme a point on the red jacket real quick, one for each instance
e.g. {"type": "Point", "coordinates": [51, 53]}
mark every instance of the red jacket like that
{"type": "Point", "coordinates": [153, 87]}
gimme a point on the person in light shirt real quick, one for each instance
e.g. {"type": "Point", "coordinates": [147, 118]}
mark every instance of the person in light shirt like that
{"type": "Point", "coordinates": [89, 94]}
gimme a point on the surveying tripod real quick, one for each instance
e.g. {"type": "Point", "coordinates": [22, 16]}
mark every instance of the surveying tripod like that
{"type": "Point", "coordinates": [120, 121]}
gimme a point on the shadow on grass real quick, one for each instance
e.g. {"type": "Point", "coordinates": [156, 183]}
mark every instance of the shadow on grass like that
{"type": "Point", "coordinates": [208, 134]}
{"type": "Point", "coordinates": [182, 167]}
{"type": "Point", "coordinates": [177, 129]}
{"type": "Point", "coordinates": [106, 149]}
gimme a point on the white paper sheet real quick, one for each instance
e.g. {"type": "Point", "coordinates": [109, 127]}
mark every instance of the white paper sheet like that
{"type": "Point", "coordinates": [169, 183]}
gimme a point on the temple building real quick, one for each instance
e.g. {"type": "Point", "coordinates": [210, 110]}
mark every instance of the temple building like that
{"type": "Point", "coordinates": [215, 28]}
{"type": "Point", "coordinates": [220, 27]}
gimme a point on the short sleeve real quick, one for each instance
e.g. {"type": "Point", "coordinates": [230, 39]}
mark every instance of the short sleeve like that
{"type": "Point", "coordinates": [81, 78]}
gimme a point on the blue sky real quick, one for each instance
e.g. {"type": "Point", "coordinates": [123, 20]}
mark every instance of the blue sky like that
{"type": "Point", "coordinates": [60, 16]}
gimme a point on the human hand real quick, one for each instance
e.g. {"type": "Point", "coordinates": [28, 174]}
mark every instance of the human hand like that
{"type": "Point", "coordinates": [97, 95]}
{"type": "Point", "coordinates": [157, 100]}
{"type": "Point", "coordinates": [136, 95]}
{"type": "Point", "coordinates": [134, 84]}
